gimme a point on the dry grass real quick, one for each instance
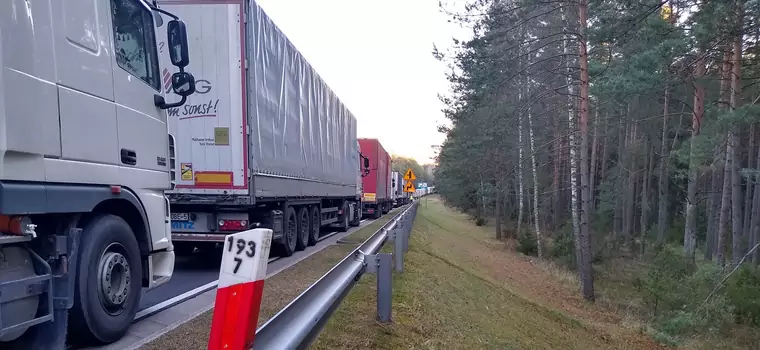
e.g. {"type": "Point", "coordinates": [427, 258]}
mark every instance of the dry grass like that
{"type": "Point", "coordinates": [464, 290]}
{"type": "Point", "coordinates": [279, 290]}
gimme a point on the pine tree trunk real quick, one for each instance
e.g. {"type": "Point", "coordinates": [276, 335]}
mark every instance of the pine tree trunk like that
{"type": "Point", "coordinates": [521, 190]}
{"type": "Point", "coordinates": [725, 204]}
{"type": "Point", "coordinates": [595, 144]}
{"type": "Point", "coordinates": [620, 184]}
{"type": "Point", "coordinates": [605, 155]}
{"type": "Point", "coordinates": [631, 189]}
{"type": "Point", "coordinates": [574, 191]}
{"type": "Point", "coordinates": [645, 199]}
{"type": "Point", "coordinates": [690, 231]}
{"type": "Point", "coordinates": [536, 212]}
{"type": "Point", "coordinates": [736, 185]}
{"type": "Point", "coordinates": [663, 180]}
{"type": "Point", "coordinates": [585, 239]}
{"type": "Point", "coordinates": [714, 212]}
{"type": "Point", "coordinates": [755, 220]}
{"type": "Point", "coordinates": [747, 228]}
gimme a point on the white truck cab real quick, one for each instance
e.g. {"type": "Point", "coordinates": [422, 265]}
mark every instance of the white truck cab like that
{"type": "Point", "coordinates": [85, 158]}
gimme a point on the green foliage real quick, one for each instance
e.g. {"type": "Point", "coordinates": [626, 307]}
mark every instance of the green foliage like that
{"type": "Point", "coordinates": [401, 164]}
{"type": "Point", "coordinates": [526, 243]}
{"type": "Point", "coordinates": [676, 293]}
{"type": "Point", "coordinates": [659, 284]}
{"type": "Point", "coordinates": [743, 293]}
{"type": "Point", "coordinates": [563, 249]}
{"type": "Point", "coordinates": [517, 64]}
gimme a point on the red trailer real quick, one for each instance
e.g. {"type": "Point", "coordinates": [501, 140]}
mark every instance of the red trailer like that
{"type": "Point", "coordinates": [376, 193]}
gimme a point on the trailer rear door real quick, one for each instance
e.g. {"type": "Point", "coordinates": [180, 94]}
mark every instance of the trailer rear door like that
{"type": "Point", "coordinates": [209, 129]}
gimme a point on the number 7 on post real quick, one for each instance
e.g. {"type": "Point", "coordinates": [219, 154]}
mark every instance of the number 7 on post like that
{"type": "Point", "coordinates": [241, 285]}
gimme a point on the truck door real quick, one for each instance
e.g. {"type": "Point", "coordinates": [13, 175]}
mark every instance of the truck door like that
{"type": "Point", "coordinates": [83, 60]}
{"type": "Point", "coordinates": [142, 131]}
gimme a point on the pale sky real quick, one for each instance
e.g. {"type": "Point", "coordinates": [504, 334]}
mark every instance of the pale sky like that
{"type": "Point", "coordinates": [376, 56]}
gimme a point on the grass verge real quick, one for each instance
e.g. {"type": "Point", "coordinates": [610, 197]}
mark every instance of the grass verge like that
{"type": "Point", "coordinates": [463, 290]}
{"type": "Point", "coordinates": [279, 290]}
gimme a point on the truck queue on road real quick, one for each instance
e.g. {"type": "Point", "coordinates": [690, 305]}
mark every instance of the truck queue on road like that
{"type": "Point", "coordinates": [104, 180]}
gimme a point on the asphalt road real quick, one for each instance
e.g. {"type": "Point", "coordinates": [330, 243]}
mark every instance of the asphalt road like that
{"type": "Point", "coordinates": [200, 269]}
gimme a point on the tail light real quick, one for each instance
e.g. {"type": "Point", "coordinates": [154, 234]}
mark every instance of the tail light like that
{"type": "Point", "coordinates": [233, 225]}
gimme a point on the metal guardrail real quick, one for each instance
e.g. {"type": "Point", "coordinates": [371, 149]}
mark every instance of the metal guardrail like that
{"type": "Point", "coordinates": [298, 324]}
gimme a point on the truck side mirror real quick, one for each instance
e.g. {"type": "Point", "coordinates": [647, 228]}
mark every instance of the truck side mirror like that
{"type": "Point", "coordinates": [178, 47]}
{"type": "Point", "coordinates": [183, 83]}
{"type": "Point", "coordinates": [366, 162]}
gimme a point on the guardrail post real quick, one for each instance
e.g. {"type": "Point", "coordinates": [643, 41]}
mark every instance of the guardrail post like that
{"type": "Point", "coordinates": [398, 248]}
{"type": "Point", "coordinates": [380, 264]}
{"type": "Point", "coordinates": [241, 285]}
{"type": "Point", "coordinates": [384, 287]}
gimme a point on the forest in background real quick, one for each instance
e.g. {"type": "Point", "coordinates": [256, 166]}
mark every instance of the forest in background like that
{"type": "Point", "coordinates": [401, 164]}
{"type": "Point", "coordinates": [618, 139]}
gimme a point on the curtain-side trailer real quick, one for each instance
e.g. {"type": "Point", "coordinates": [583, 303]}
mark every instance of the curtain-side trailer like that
{"type": "Point", "coordinates": [264, 142]}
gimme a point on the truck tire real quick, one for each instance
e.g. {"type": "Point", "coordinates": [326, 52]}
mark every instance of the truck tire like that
{"type": "Point", "coordinates": [315, 224]}
{"type": "Point", "coordinates": [378, 212]}
{"type": "Point", "coordinates": [357, 215]}
{"type": "Point", "coordinates": [108, 284]}
{"type": "Point", "coordinates": [291, 232]}
{"type": "Point", "coordinates": [303, 229]}
{"type": "Point", "coordinates": [343, 226]}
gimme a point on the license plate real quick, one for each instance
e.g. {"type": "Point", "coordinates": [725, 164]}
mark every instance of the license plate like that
{"type": "Point", "coordinates": [180, 217]}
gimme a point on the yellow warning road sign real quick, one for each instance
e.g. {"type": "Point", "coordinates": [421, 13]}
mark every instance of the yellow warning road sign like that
{"type": "Point", "coordinates": [409, 187]}
{"type": "Point", "coordinates": [409, 175]}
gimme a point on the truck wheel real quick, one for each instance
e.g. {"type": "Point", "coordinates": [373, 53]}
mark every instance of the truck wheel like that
{"type": "Point", "coordinates": [315, 224]}
{"type": "Point", "coordinates": [357, 216]}
{"type": "Point", "coordinates": [107, 288]}
{"type": "Point", "coordinates": [291, 232]}
{"type": "Point", "coordinates": [303, 229]}
{"type": "Point", "coordinates": [378, 212]}
{"type": "Point", "coordinates": [343, 227]}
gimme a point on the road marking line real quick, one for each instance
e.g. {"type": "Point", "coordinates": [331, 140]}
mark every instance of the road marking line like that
{"type": "Point", "coordinates": [182, 297]}
{"type": "Point", "coordinates": [176, 301]}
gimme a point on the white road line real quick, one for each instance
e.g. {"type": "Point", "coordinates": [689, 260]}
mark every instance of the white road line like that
{"type": "Point", "coordinates": [170, 302]}
{"type": "Point", "coordinates": [180, 298]}
{"type": "Point", "coordinates": [208, 286]}
{"type": "Point", "coordinates": [202, 289]}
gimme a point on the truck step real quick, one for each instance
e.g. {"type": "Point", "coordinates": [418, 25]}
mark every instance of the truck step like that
{"type": "Point", "coordinates": [9, 239]}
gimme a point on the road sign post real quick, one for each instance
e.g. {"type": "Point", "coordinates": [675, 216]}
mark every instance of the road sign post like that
{"type": "Point", "coordinates": [241, 285]}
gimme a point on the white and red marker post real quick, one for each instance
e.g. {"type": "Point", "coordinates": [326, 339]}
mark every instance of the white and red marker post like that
{"type": "Point", "coordinates": [241, 285]}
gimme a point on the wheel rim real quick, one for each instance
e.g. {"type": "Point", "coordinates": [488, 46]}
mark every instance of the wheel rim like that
{"type": "Point", "coordinates": [292, 230]}
{"type": "Point", "coordinates": [114, 276]}
{"type": "Point", "coordinates": [304, 228]}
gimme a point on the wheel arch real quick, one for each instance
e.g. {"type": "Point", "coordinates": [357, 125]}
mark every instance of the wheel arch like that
{"type": "Point", "coordinates": [133, 215]}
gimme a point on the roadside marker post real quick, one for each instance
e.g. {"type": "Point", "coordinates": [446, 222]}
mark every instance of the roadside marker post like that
{"type": "Point", "coordinates": [241, 285]}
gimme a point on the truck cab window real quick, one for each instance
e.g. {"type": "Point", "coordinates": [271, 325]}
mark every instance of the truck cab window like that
{"type": "Point", "coordinates": [135, 40]}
